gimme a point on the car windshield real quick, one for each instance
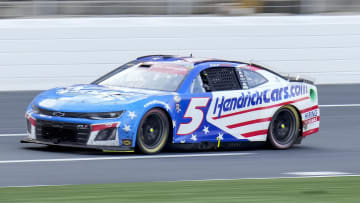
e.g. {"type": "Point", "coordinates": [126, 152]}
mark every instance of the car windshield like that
{"type": "Point", "coordinates": [163, 77]}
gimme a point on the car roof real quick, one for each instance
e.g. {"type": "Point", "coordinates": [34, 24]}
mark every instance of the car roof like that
{"type": "Point", "coordinates": [169, 58]}
{"type": "Point", "coordinates": [187, 61]}
{"type": "Point", "coordinates": [184, 59]}
{"type": "Point", "coordinates": [191, 62]}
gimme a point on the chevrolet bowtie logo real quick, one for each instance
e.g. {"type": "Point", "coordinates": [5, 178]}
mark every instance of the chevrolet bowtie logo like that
{"type": "Point", "coordinates": [59, 114]}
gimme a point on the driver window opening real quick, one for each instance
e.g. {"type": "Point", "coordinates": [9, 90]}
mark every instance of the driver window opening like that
{"type": "Point", "coordinates": [220, 79]}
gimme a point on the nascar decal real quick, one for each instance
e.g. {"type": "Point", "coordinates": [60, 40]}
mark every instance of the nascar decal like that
{"type": "Point", "coordinates": [311, 118]}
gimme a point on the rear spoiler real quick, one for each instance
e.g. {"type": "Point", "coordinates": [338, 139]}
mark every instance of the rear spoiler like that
{"type": "Point", "coordinates": [298, 79]}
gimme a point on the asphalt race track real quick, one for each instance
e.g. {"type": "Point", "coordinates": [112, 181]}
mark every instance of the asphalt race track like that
{"type": "Point", "coordinates": [334, 149]}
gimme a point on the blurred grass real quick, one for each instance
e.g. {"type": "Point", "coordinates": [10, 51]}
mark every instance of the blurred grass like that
{"type": "Point", "coordinates": [335, 189]}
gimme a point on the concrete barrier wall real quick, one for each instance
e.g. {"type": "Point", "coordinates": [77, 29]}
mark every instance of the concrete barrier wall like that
{"type": "Point", "coordinates": [38, 54]}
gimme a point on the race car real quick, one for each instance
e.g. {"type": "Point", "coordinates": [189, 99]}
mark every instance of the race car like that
{"type": "Point", "coordinates": [160, 99]}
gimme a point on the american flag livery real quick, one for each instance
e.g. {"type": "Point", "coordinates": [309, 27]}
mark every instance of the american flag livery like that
{"type": "Point", "coordinates": [245, 115]}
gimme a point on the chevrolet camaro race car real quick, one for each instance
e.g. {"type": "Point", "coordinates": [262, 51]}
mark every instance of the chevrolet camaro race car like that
{"type": "Point", "coordinates": [160, 99]}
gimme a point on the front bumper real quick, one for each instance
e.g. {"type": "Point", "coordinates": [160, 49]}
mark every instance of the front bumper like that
{"type": "Point", "coordinates": [77, 133]}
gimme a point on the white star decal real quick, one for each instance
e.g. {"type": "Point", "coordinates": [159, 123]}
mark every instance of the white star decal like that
{"type": "Point", "coordinates": [182, 141]}
{"type": "Point", "coordinates": [206, 130]}
{"type": "Point", "coordinates": [132, 114]}
{"type": "Point", "coordinates": [193, 137]}
{"type": "Point", "coordinates": [174, 123]}
{"type": "Point", "coordinates": [126, 128]}
{"type": "Point", "coordinates": [220, 137]}
{"type": "Point", "coordinates": [167, 107]}
{"type": "Point", "coordinates": [178, 110]}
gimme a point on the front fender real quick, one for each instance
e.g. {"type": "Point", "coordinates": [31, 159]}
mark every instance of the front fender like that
{"type": "Point", "coordinates": [135, 112]}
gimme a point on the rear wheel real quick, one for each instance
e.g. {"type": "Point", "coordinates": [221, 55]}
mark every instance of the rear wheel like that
{"type": "Point", "coordinates": [153, 132]}
{"type": "Point", "coordinates": [284, 128]}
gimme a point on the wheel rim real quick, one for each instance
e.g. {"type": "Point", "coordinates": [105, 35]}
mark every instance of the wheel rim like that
{"type": "Point", "coordinates": [283, 128]}
{"type": "Point", "coordinates": [152, 131]}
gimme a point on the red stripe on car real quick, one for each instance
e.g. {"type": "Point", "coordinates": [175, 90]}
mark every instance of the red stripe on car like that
{"type": "Point", "coordinates": [249, 122]}
{"type": "Point", "coordinates": [255, 133]}
{"type": "Point", "coordinates": [31, 119]}
{"type": "Point", "coordinates": [261, 108]}
{"type": "Point", "coordinates": [309, 132]}
{"type": "Point", "coordinates": [103, 126]}
{"type": "Point", "coordinates": [309, 109]}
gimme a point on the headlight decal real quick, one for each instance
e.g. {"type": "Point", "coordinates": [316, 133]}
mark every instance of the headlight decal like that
{"type": "Point", "coordinates": [93, 115]}
{"type": "Point", "coordinates": [103, 115]}
{"type": "Point", "coordinates": [35, 109]}
{"type": "Point", "coordinates": [98, 127]}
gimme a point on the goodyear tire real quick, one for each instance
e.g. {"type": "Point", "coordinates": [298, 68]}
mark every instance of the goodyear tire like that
{"type": "Point", "coordinates": [153, 132]}
{"type": "Point", "coordinates": [284, 128]}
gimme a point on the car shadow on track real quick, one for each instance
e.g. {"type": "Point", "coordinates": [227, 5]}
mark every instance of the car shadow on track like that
{"type": "Point", "coordinates": [169, 149]}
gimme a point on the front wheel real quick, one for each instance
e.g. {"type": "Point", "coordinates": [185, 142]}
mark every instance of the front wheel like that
{"type": "Point", "coordinates": [284, 128]}
{"type": "Point", "coordinates": [153, 132]}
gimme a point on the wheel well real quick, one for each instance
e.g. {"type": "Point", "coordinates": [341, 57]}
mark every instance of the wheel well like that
{"type": "Point", "coordinates": [301, 123]}
{"type": "Point", "coordinates": [170, 123]}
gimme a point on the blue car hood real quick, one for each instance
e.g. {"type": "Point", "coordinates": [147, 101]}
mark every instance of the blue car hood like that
{"type": "Point", "coordinates": [90, 98]}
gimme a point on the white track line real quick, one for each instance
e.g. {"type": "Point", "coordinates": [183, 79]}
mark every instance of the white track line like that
{"type": "Point", "coordinates": [340, 105]}
{"type": "Point", "coordinates": [13, 135]}
{"type": "Point", "coordinates": [124, 158]}
{"type": "Point", "coordinates": [317, 173]}
{"type": "Point", "coordinates": [200, 180]}
{"type": "Point", "coordinates": [263, 178]}
{"type": "Point", "coordinates": [25, 186]}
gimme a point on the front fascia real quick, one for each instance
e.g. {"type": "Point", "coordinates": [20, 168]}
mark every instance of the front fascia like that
{"type": "Point", "coordinates": [126, 124]}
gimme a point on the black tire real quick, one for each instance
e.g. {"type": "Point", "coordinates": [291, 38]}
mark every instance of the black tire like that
{"type": "Point", "coordinates": [153, 132]}
{"type": "Point", "coordinates": [284, 128]}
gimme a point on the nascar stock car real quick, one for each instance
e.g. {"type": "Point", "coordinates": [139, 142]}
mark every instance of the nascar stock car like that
{"type": "Point", "coordinates": [160, 99]}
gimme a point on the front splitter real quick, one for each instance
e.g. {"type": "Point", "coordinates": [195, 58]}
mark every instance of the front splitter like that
{"type": "Point", "coordinates": [104, 148]}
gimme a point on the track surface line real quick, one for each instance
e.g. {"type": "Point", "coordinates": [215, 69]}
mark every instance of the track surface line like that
{"type": "Point", "coordinates": [204, 180]}
{"type": "Point", "coordinates": [317, 173]}
{"type": "Point", "coordinates": [340, 105]}
{"type": "Point", "coordinates": [264, 178]}
{"type": "Point", "coordinates": [13, 135]}
{"type": "Point", "coordinates": [124, 158]}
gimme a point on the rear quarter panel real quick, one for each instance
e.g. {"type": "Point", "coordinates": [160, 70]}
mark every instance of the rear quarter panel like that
{"type": "Point", "coordinates": [309, 111]}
